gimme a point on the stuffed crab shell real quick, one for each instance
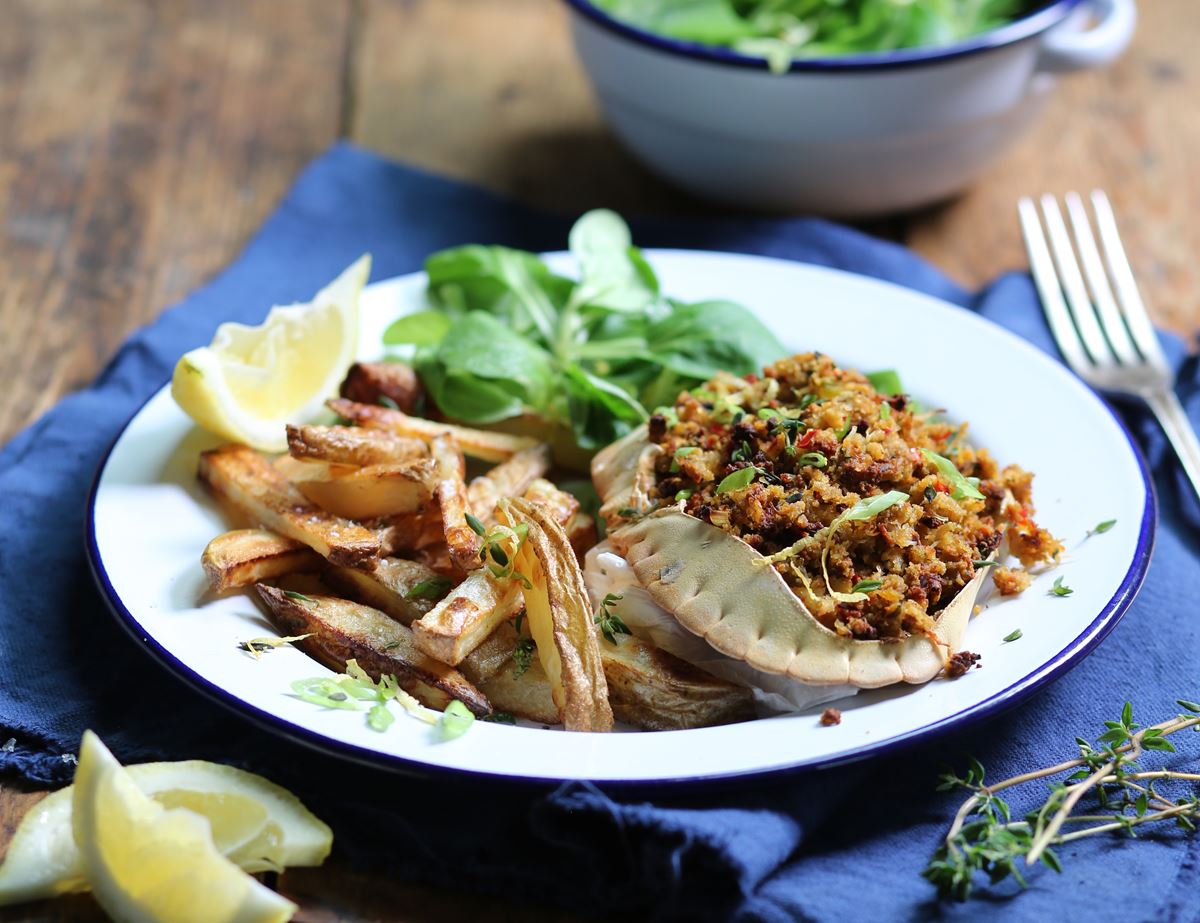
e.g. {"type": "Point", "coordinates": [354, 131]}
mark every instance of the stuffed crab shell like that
{"type": "Point", "coordinates": [813, 526]}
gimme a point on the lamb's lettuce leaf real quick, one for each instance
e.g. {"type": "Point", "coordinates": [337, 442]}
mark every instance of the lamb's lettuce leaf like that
{"type": "Point", "coordinates": [504, 335]}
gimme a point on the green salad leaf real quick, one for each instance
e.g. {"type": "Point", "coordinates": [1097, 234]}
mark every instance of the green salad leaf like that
{"type": "Point", "coordinates": [505, 336]}
{"type": "Point", "coordinates": [783, 30]}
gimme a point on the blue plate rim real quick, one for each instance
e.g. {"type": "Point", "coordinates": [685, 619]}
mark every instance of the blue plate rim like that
{"type": "Point", "coordinates": [1087, 640]}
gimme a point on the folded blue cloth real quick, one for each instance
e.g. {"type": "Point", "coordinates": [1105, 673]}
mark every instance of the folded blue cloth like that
{"type": "Point", "coordinates": [841, 844]}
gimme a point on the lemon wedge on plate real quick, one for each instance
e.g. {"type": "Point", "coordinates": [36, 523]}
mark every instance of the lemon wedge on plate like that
{"type": "Point", "coordinates": [256, 824]}
{"type": "Point", "coordinates": [250, 381]}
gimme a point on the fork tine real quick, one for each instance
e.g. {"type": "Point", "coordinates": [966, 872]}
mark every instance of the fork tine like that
{"type": "Point", "coordinates": [1122, 276]}
{"type": "Point", "coordinates": [1042, 266]}
{"type": "Point", "coordinates": [1078, 301]}
{"type": "Point", "coordinates": [1102, 294]}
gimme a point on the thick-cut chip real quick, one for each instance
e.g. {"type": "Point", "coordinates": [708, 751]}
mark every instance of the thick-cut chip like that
{"type": "Point", "coordinates": [582, 533]}
{"type": "Point", "coordinates": [340, 630]}
{"type": "Point", "coordinates": [438, 559]}
{"type": "Point", "coordinates": [411, 531]}
{"type": "Point", "coordinates": [492, 655]}
{"type": "Point", "coordinates": [560, 618]}
{"type": "Point", "coordinates": [527, 695]}
{"type": "Point", "coordinates": [246, 556]}
{"type": "Point", "coordinates": [371, 382]}
{"type": "Point", "coordinates": [361, 493]}
{"type": "Point", "coordinates": [247, 481]}
{"type": "Point", "coordinates": [405, 590]}
{"type": "Point", "coordinates": [477, 443]}
{"type": "Point", "coordinates": [508, 479]}
{"type": "Point", "coordinates": [464, 619]}
{"type": "Point", "coordinates": [451, 493]}
{"type": "Point", "coordinates": [352, 445]}
{"type": "Point", "coordinates": [558, 503]}
{"type": "Point", "coordinates": [649, 688]}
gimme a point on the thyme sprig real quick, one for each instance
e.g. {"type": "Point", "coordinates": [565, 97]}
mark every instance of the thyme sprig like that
{"type": "Point", "coordinates": [609, 623]}
{"type": "Point", "coordinates": [983, 837]}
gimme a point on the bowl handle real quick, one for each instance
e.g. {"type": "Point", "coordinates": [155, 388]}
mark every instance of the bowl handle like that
{"type": "Point", "coordinates": [1070, 47]}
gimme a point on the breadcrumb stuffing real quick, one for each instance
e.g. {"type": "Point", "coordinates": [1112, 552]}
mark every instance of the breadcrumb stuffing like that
{"type": "Point", "coordinates": [820, 439]}
{"type": "Point", "coordinates": [1011, 580]}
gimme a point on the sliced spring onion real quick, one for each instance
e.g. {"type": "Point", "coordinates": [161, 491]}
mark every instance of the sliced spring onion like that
{"type": "Point", "coordinates": [456, 720]}
{"type": "Point", "coordinates": [961, 486]}
{"type": "Point", "coordinates": [738, 480]}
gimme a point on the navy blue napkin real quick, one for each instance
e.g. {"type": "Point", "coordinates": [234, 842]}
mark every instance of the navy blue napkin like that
{"type": "Point", "coordinates": [841, 844]}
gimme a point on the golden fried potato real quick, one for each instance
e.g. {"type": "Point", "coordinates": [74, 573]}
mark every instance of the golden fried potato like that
{"type": "Point", "coordinates": [527, 695]}
{"type": "Point", "coordinates": [361, 493]}
{"type": "Point", "coordinates": [560, 618]}
{"type": "Point", "coordinates": [582, 534]}
{"type": "Point", "coordinates": [558, 503]}
{"type": "Point", "coordinates": [340, 630]}
{"type": "Point", "coordinates": [405, 590]}
{"type": "Point", "coordinates": [451, 493]}
{"type": "Point", "coordinates": [477, 443]}
{"type": "Point", "coordinates": [467, 616]}
{"type": "Point", "coordinates": [370, 382]}
{"type": "Point", "coordinates": [352, 445]}
{"type": "Point", "coordinates": [508, 479]}
{"type": "Point", "coordinates": [649, 688]}
{"type": "Point", "coordinates": [244, 479]}
{"type": "Point", "coordinates": [411, 531]}
{"type": "Point", "coordinates": [243, 557]}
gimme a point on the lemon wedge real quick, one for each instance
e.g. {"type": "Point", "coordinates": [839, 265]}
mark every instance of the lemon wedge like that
{"type": "Point", "coordinates": [255, 823]}
{"type": "Point", "coordinates": [150, 864]}
{"type": "Point", "coordinates": [251, 381]}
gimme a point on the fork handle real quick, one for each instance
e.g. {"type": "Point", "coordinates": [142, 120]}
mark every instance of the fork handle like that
{"type": "Point", "coordinates": [1175, 423]}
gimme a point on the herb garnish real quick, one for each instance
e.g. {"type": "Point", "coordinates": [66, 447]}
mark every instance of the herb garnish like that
{"type": "Point", "coordinates": [345, 691]}
{"type": "Point", "coordinates": [1101, 528]}
{"type": "Point", "coordinates": [1060, 589]}
{"type": "Point", "coordinates": [866, 586]}
{"type": "Point", "coordinates": [433, 588]}
{"type": "Point", "coordinates": [985, 838]}
{"type": "Point", "coordinates": [685, 493]}
{"type": "Point", "coordinates": [256, 647]}
{"type": "Point", "coordinates": [476, 525]}
{"type": "Point", "coordinates": [960, 485]}
{"type": "Point", "coordinates": [979, 564]}
{"type": "Point", "coordinates": [292, 594]}
{"type": "Point", "coordinates": [502, 545]}
{"type": "Point", "coordinates": [501, 717]}
{"type": "Point", "coordinates": [815, 459]}
{"type": "Point", "coordinates": [609, 622]}
{"type": "Point", "coordinates": [1014, 636]}
{"type": "Point", "coordinates": [456, 720]}
{"type": "Point", "coordinates": [522, 656]}
{"type": "Point", "coordinates": [738, 480]}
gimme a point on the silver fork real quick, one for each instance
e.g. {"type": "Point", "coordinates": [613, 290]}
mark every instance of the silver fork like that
{"type": "Point", "coordinates": [1102, 328]}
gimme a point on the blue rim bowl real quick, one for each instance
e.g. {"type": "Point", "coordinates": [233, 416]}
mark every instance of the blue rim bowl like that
{"type": "Point", "coordinates": [1043, 16]}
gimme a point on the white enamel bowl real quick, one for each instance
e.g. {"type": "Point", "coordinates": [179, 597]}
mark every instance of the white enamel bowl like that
{"type": "Point", "coordinates": [150, 520]}
{"type": "Point", "coordinates": [849, 136]}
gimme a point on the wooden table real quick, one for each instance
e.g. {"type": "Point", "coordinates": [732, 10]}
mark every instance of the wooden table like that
{"type": "Point", "coordinates": [141, 143]}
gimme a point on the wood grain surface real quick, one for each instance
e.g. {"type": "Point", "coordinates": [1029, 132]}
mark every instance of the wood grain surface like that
{"type": "Point", "coordinates": [142, 142]}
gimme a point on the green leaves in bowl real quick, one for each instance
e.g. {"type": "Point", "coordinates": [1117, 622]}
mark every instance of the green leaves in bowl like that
{"type": "Point", "coordinates": [783, 30]}
{"type": "Point", "coordinates": [505, 336]}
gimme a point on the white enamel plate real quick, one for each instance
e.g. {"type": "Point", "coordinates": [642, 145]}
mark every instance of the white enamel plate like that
{"type": "Point", "coordinates": [150, 520]}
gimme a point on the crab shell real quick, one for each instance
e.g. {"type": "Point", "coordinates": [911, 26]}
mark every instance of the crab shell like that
{"type": "Point", "coordinates": [721, 589]}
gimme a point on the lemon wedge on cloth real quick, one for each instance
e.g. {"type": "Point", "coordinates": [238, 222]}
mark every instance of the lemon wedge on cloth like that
{"type": "Point", "coordinates": [256, 824]}
{"type": "Point", "coordinates": [250, 381]}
